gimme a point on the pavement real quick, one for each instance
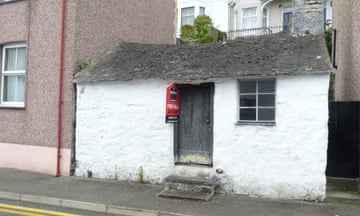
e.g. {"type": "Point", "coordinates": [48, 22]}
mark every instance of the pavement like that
{"type": "Point", "coordinates": [134, 199]}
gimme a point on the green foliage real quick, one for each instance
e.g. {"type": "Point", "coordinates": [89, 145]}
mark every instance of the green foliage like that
{"type": "Point", "coordinates": [202, 26]}
{"type": "Point", "coordinates": [82, 63]}
{"type": "Point", "coordinates": [200, 32]}
{"type": "Point", "coordinates": [221, 36]}
{"type": "Point", "coordinates": [331, 96]}
{"type": "Point", "coordinates": [328, 40]}
{"type": "Point", "coordinates": [187, 32]}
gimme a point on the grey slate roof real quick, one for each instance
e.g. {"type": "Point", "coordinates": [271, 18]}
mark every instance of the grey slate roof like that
{"type": "Point", "coordinates": [276, 55]}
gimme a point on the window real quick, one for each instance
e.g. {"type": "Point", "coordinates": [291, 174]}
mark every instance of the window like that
{"type": "Point", "coordinates": [13, 75]}
{"type": "Point", "coordinates": [202, 10]}
{"type": "Point", "coordinates": [6, 1]}
{"type": "Point", "coordinates": [249, 18]}
{"type": "Point", "coordinates": [187, 16]}
{"type": "Point", "coordinates": [257, 100]}
{"type": "Point", "coordinates": [265, 18]}
{"type": "Point", "coordinates": [235, 20]}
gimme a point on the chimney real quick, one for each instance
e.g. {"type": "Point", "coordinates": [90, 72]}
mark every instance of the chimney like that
{"type": "Point", "coordinates": [308, 16]}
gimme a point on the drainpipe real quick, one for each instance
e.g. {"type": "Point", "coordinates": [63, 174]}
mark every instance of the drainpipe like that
{"type": "Point", "coordinates": [60, 87]}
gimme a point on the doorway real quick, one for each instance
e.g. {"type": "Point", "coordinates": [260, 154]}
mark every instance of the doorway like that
{"type": "Point", "coordinates": [193, 137]}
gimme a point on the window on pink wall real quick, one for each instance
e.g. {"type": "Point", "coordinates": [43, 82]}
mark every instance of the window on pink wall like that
{"type": "Point", "coordinates": [13, 70]}
{"type": "Point", "coordinates": [6, 1]}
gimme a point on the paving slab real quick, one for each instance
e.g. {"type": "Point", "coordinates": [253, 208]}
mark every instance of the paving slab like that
{"type": "Point", "coordinates": [143, 198]}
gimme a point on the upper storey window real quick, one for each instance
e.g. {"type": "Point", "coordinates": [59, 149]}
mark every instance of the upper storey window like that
{"type": "Point", "coordinates": [187, 16]}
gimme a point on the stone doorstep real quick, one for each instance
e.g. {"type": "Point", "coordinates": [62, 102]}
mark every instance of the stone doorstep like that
{"type": "Point", "coordinates": [342, 184]}
{"type": "Point", "coordinates": [189, 187]}
{"type": "Point", "coordinates": [209, 181]}
{"type": "Point", "coordinates": [194, 188]}
{"type": "Point", "coordinates": [167, 193]}
{"type": "Point", "coordinates": [190, 184]}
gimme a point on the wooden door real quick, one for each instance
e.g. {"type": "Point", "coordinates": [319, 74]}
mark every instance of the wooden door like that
{"type": "Point", "coordinates": [194, 131]}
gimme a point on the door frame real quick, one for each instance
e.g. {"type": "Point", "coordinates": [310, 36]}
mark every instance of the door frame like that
{"type": "Point", "coordinates": [211, 87]}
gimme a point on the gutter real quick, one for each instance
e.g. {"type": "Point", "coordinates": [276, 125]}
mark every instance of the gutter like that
{"type": "Point", "coordinates": [60, 102]}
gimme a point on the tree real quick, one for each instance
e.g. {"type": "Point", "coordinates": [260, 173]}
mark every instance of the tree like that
{"type": "Point", "coordinates": [200, 32]}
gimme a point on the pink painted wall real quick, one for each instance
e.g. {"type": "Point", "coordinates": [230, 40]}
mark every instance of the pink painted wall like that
{"type": "Point", "coordinates": [91, 26]}
{"type": "Point", "coordinates": [346, 21]}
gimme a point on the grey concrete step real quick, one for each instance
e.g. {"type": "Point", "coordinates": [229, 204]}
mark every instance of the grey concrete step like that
{"type": "Point", "coordinates": [168, 193]}
{"type": "Point", "coordinates": [343, 184]}
{"type": "Point", "coordinates": [192, 180]}
{"type": "Point", "coordinates": [195, 188]}
{"type": "Point", "coordinates": [190, 184]}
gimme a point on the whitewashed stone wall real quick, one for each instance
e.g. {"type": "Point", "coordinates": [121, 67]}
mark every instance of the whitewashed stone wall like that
{"type": "Point", "coordinates": [287, 160]}
{"type": "Point", "coordinates": [120, 127]}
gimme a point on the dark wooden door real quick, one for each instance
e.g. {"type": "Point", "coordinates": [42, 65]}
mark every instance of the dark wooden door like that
{"type": "Point", "coordinates": [343, 153]}
{"type": "Point", "coordinates": [194, 131]}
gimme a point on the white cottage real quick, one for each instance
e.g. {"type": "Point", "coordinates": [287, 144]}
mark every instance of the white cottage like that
{"type": "Point", "coordinates": [253, 115]}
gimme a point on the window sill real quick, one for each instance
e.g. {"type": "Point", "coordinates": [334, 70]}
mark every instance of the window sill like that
{"type": "Point", "coordinates": [8, 1]}
{"type": "Point", "coordinates": [258, 123]}
{"type": "Point", "coordinates": [8, 106]}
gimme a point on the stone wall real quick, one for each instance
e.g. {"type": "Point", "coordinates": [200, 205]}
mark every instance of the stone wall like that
{"type": "Point", "coordinates": [121, 127]}
{"type": "Point", "coordinates": [308, 16]}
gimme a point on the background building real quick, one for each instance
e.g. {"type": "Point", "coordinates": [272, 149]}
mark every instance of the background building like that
{"type": "Point", "coordinates": [258, 17]}
{"type": "Point", "coordinates": [188, 10]}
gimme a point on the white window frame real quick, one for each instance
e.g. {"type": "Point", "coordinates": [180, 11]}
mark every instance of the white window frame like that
{"type": "Point", "coordinates": [265, 17]}
{"type": "Point", "coordinates": [14, 73]}
{"type": "Point", "coordinates": [235, 20]}
{"type": "Point", "coordinates": [202, 11]}
{"type": "Point", "coordinates": [187, 16]}
{"type": "Point", "coordinates": [244, 17]}
{"type": "Point", "coordinates": [257, 107]}
{"type": "Point", "coordinates": [6, 1]}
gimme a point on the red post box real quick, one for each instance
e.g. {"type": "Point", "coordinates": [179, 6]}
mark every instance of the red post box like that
{"type": "Point", "coordinates": [172, 103]}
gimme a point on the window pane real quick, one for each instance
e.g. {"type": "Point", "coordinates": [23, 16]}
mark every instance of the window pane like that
{"type": "Point", "coordinates": [247, 87]}
{"type": "Point", "coordinates": [249, 22]}
{"type": "Point", "coordinates": [187, 11]}
{"type": "Point", "coordinates": [10, 59]}
{"type": "Point", "coordinates": [187, 20]}
{"type": "Point", "coordinates": [9, 88]}
{"type": "Point", "coordinates": [264, 17]}
{"type": "Point", "coordinates": [248, 114]}
{"type": "Point", "coordinates": [202, 10]}
{"type": "Point", "coordinates": [187, 16]}
{"type": "Point", "coordinates": [20, 88]}
{"type": "Point", "coordinates": [21, 58]}
{"type": "Point", "coordinates": [266, 114]}
{"type": "Point", "coordinates": [248, 100]}
{"type": "Point", "coordinates": [266, 100]}
{"type": "Point", "coordinates": [249, 12]}
{"type": "Point", "coordinates": [266, 86]}
{"type": "Point", "coordinates": [249, 18]}
{"type": "Point", "coordinates": [14, 88]}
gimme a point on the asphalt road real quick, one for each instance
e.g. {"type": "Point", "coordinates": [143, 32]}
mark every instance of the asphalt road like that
{"type": "Point", "coordinates": [10, 208]}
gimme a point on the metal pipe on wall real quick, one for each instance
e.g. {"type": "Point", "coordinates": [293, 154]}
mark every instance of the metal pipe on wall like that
{"type": "Point", "coordinates": [60, 102]}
